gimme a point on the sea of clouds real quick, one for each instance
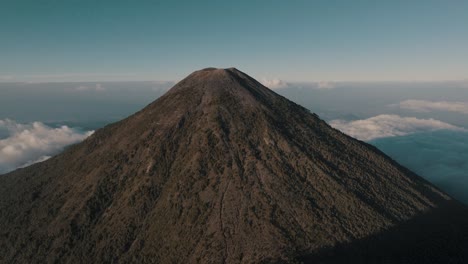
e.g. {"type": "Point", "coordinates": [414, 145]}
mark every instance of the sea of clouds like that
{"type": "Point", "coordinates": [383, 126]}
{"type": "Point", "coordinates": [434, 149]}
{"type": "Point", "coordinates": [25, 144]}
{"type": "Point", "coordinates": [439, 156]}
{"type": "Point", "coordinates": [422, 125]}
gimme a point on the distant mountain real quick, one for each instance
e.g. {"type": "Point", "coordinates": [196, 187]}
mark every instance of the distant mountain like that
{"type": "Point", "coordinates": [221, 169]}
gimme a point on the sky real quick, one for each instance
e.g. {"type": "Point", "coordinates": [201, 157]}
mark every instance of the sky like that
{"type": "Point", "coordinates": [82, 40]}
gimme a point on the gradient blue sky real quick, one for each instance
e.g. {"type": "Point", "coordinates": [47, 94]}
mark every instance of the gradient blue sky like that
{"type": "Point", "coordinates": [67, 40]}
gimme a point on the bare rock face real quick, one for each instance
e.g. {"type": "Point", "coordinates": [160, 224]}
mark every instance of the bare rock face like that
{"type": "Point", "coordinates": [222, 170]}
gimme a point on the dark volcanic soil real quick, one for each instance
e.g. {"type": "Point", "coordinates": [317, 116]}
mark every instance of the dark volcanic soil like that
{"type": "Point", "coordinates": [223, 170]}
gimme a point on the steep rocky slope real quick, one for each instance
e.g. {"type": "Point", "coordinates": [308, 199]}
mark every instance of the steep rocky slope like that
{"type": "Point", "coordinates": [218, 170]}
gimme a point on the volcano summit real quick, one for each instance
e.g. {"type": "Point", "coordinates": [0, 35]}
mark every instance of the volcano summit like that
{"type": "Point", "coordinates": [221, 169]}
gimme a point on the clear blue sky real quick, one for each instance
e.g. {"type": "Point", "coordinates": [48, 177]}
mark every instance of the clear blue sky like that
{"type": "Point", "coordinates": [293, 40]}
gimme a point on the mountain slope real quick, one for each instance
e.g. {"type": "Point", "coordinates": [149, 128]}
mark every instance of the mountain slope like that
{"type": "Point", "coordinates": [219, 169]}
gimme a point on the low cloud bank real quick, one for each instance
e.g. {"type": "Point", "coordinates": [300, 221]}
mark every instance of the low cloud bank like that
{"type": "Point", "coordinates": [325, 85]}
{"type": "Point", "coordinates": [95, 88]}
{"type": "Point", "coordinates": [429, 106]}
{"type": "Point", "coordinates": [25, 144]}
{"type": "Point", "coordinates": [280, 84]}
{"type": "Point", "coordinates": [274, 83]}
{"type": "Point", "coordinates": [382, 126]}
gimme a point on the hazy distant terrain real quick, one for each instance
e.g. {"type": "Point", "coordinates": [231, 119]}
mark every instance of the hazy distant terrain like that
{"type": "Point", "coordinates": [421, 125]}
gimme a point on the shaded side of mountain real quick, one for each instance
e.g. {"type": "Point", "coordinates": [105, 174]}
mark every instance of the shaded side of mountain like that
{"type": "Point", "coordinates": [220, 169]}
{"type": "Point", "coordinates": [438, 236]}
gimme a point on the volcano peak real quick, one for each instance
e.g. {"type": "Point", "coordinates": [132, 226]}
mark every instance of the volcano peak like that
{"type": "Point", "coordinates": [220, 169]}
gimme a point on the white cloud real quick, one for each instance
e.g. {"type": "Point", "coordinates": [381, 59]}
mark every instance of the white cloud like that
{"type": "Point", "coordinates": [389, 126]}
{"type": "Point", "coordinates": [97, 87]}
{"type": "Point", "coordinates": [274, 83]}
{"type": "Point", "coordinates": [279, 84]}
{"type": "Point", "coordinates": [26, 144]}
{"type": "Point", "coordinates": [31, 162]}
{"type": "Point", "coordinates": [325, 85]}
{"type": "Point", "coordinates": [428, 106]}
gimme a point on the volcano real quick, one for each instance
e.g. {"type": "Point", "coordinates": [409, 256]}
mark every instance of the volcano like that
{"type": "Point", "coordinates": [221, 169]}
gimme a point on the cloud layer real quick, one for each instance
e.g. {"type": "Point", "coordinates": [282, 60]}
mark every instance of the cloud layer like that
{"type": "Point", "coordinates": [97, 88]}
{"type": "Point", "coordinates": [325, 85]}
{"type": "Point", "coordinates": [24, 144]}
{"type": "Point", "coordinates": [280, 84]}
{"type": "Point", "coordinates": [439, 156]}
{"type": "Point", "coordinates": [428, 106]}
{"type": "Point", "coordinates": [274, 83]}
{"type": "Point", "coordinates": [389, 126]}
